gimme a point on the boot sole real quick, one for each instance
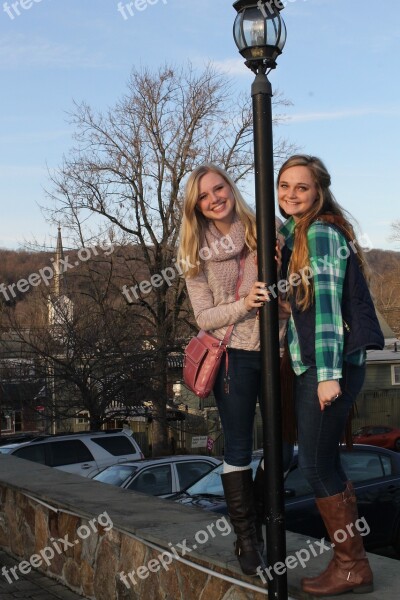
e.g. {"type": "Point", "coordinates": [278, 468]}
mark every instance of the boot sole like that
{"type": "Point", "coordinates": [361, 589]}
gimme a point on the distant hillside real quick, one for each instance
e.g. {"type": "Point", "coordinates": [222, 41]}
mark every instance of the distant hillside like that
{"type": "Point", "coordinates": [19, 264]}
{"type": "Point", "coordinates": [383, 261]}
{"type": "Point", "coordinates": [16, 265]}
{"type": "Point", "coordinates": [384, 265]}
{"type": "Point", "coordinates": [385, 285]}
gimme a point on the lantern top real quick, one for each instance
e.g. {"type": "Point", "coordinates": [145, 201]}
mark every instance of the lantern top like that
{"type": "Point", "coordinates": [268, 5]}
{"type": "Point", "coordinates": [259, 32]}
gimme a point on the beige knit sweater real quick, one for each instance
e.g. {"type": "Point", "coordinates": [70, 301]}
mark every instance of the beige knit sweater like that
{"type": "Point", "coordinates": [212, 291]}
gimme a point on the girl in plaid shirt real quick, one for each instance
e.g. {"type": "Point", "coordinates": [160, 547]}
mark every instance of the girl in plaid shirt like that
{"type": "Point", "coordinates": [332, 323]}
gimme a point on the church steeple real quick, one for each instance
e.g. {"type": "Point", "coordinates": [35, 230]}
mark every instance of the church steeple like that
{"type": "Point", "coordinates": [58, 265]}
{"type": "Point", "coordinates": [60, 306]}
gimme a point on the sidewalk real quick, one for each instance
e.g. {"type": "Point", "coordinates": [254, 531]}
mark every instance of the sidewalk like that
{"type": "Point", "coordinates": [33, 586]}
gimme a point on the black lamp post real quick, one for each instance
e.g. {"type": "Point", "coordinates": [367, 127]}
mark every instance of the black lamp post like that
{"type": "Point", "coordinates": [260, 35]}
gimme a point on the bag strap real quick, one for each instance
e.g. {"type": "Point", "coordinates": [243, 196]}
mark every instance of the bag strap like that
{"type": "Point", "coordinates": [228, 333]}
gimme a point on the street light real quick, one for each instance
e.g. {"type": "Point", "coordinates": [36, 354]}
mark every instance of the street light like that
{"type": "Point", "coordinates": [259, 32]}
{"type": "Point", "coordinates": [260, 35]}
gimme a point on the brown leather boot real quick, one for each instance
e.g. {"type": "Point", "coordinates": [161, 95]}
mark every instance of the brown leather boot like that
{"type": "Point", "coordinates": [238, 488]}
{"type": "Point", "coordinates": [349, 569]}
{"type": "Point", "coordinates": [331, 564]}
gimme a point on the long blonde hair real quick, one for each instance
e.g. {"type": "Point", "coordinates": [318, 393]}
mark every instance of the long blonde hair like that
{"type": "Point", "coordinates": [325, 209]}
{"type": "Point", "coordinates": [194, 223]}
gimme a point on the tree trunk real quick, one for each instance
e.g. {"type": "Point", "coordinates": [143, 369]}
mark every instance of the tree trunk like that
{"type": "Point", "coordinates": [95, 422]}
{"type": "Point", "coordinates": [160, 399]}
{"type": "Point", "coordinates": [160, 435]}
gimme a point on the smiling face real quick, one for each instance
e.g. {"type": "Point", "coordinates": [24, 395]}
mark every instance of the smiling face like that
{"type": "Point", "coordinates": [297, 191]}
{"type": "Point", "coordinates": [216, 200]}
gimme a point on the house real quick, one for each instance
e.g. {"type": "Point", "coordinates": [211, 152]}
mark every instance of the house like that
{"type": "Point", "coordinates": [19, 387]}
{"type": "Point", "coordinates": [379, 401]}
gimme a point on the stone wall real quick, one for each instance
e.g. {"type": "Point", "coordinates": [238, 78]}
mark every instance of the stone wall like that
{"type": "Point", "coordinates": [90, 533]}
{"type": "Point", "coordinates": [85, 534]}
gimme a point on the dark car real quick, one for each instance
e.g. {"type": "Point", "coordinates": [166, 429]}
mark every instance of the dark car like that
{"type": "Point", "coordinates": [378, 435]}
{"type": "Point", "coordinates": [375, 473]}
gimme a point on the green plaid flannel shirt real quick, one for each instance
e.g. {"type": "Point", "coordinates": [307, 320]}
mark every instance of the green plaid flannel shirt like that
{"type": "Point", "coordinates": [327, 251]}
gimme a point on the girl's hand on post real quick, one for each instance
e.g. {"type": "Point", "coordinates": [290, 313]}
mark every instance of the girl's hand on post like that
{"type": "Point", "coordinates": [278, 256]}
{"type": "Point", "coordinates": [257, 296]}
{"type": "Point", "coordinates": [328, 392]}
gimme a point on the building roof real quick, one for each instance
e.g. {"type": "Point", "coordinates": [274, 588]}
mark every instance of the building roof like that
{"type": "Point", "coordinates": [386, 355]}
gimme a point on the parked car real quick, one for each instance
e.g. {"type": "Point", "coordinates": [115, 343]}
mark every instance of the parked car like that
{"type": "Point", "coordinates": [18, 438]}
{"type": "Point", "coordinates": [378, 435]}
{"type": "Point", "coordinates": [84, 453]}
{"type": "Point", "coordinates": [375, 473]}
{"type": "Point", "coordinates": [158, 476]}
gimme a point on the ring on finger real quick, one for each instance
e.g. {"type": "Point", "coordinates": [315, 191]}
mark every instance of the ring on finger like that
{"type": "Point", "coordinates": [328, 403]}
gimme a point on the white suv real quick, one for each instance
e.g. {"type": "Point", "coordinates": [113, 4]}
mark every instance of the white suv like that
{"type": "Point", "coordinates": [80, 453]}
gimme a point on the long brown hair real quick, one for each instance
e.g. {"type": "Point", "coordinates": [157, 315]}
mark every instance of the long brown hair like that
{"type": "Point", "coordinates": [325, 209]}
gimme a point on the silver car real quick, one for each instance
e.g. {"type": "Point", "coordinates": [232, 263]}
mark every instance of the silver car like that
{"type": "Point", "coordinates": [158, 476]}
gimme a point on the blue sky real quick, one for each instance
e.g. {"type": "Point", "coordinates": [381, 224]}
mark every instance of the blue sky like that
{"type": "Point", "coordinates": [339, 68]}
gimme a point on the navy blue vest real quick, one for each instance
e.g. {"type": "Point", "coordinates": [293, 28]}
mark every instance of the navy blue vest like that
{"type": "Point", "coordinates": [360, 323]}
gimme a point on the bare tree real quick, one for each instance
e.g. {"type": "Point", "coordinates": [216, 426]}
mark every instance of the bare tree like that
{"type": "Point", "coordinates": [90, 356]}
{"type": "Point", "coordinates": [385, 284]}
{"type": "Point", "coordinates": [124, 179]}
{"type": "Point", "coordinates": [395, 235]}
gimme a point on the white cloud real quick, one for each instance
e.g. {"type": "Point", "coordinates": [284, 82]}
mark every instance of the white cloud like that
{"type": "Point", "coordinates": [27, 137]}
{"type": "Point", "coordinates": [231, 66]}
{"type": "Point", "coordinates": [8, 241]}
{"type": "Point", "coordinates": [341, 114]}
{"type": "Point", "coordinates": [21, 171]}
{"type": "Point", "coordinates": [26, 51]}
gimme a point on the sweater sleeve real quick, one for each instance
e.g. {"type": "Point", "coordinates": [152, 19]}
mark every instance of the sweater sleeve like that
{"type": "Point", "coordinates": [208, 316]}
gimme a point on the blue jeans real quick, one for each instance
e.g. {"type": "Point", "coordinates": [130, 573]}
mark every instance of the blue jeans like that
{"type": "Point", "coordinates": [320, 432]}
{"type": "Point", "coordinates": [237, 409]}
